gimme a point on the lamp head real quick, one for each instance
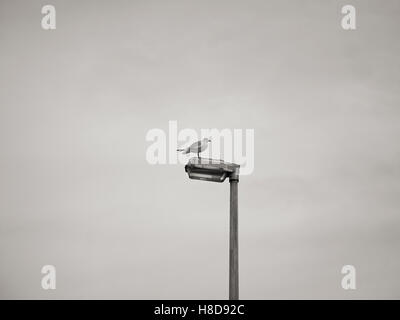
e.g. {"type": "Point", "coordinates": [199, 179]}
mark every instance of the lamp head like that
{"type": "Point", "coordinates": [211, 170]}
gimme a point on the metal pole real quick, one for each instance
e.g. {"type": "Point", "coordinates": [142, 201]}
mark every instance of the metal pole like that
{"type": "Point", "coordinates": [233, 239]}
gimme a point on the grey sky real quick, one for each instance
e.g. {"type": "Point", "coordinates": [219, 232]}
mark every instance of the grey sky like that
{"type": "Point", "coordinates": [76, 190]}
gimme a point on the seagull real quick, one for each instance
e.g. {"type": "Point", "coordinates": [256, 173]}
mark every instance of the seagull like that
{"type": "Point", "coordinates": [196, 147]}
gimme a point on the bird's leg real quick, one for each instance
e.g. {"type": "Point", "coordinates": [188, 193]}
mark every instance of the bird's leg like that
{"type": "Point", "coordinates": [198, 155]}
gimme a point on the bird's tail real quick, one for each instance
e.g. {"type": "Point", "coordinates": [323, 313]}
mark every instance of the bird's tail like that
{"type": "Point", "coordinates": [186, 150]}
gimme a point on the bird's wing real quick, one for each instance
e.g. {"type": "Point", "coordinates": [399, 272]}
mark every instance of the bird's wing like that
{"type": "Point", "coordinates": [196, 145]}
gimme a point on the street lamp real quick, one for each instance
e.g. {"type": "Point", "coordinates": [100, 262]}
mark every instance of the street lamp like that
{"type": "Point", "coordinates": [217, 171]}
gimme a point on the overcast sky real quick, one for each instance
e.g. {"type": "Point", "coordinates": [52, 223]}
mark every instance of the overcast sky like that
{"type": "Point", "coordinates": [77, 192]}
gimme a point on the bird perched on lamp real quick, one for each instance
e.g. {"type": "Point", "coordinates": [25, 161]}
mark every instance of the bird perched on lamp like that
{"type": "Point", "coordinates": [196, 147]}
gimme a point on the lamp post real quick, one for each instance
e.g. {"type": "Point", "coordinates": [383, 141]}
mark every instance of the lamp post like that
{"type": "Point", "coordinates": [217, 171]}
